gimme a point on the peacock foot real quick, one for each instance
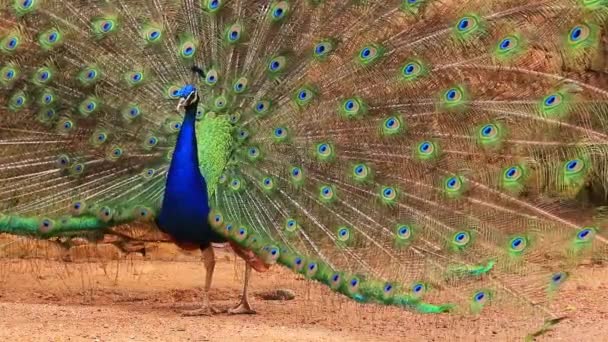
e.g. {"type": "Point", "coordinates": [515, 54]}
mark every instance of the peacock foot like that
{"type": "Point", "coordinates": [206, 310]}
{"type": "Point", "coordinates": [242, 309]}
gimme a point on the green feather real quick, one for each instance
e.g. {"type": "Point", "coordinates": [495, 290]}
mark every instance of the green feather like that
{"type": "Point", "coordinates": [50, 39]}
{"type": "Point", "coordinates": [104, 26]}
{"type": "Point", "coordinates": [212, 6]}
{"type": "Point", "coordinates": [327, 193]}
{"type": "Point", "coordinates": [453, 99]}
{"type": "Point", "coordinates": [513, 178]}
{"type": "Point", "coordinates": [426, 150]}
{"type": "Point", "coordinates": [404, 235]}
{"type": "Point", "coordinates": [277, 65]}
{"type": "Point", "coordinates": [509, 47]}
{"type": "Point", "coordinates": [135, 78]}
{"type": "Point", "coordinates": [479, 299]}
{"type": "Point", "coordinates": [234, 33]}
{"type": "Point", "coordinates": [10, 43]}
{"type": "Point", "coordinates": [280, 134]}
{"type": "Point", "coordinates": [323, 49]}
{"type": "Point", "coordinates": [581, 38]}
{"type": "Point", "coordinates": [18, 101]}
{"type": "Point", "coordinates": [325, 152]}
{"type": "Point", "coordinates": [212, 77]}
{"type": "Point", "coordinates": [296, 175]}
{"type": "Point", "coordinates": [239, 86]}
{"type": "Point", "coordinates": [468, 27]}
{"type": "Point", "coordinates": [187, 47]}
{"type": "Point", "coordinates": [574, 172]}
{"type": "Point", "coordinates": [279, 11]}
{"type": "Point", "coordinates": [370, 54]}
{"type": "Point", "coordinates": [556, 105]}
{"type": "Point", "coordinates": [89, 106]}
{"type": "Point", "coordinates": [304, 96]}
{"type": "Point", "coordinates": [8, 75]}
{"type": "Point", "coordinates": [345, 236]}
{"type": "Point", "coordinates": [152, 33]}
{"type": "Point", "coordinates": [361, 173]}
{"type": "Point", "coordinates": [89, 75]}
{"type": "Point", "coordinates": [22, 8]}
{"type": "Point", "coordinates": [352, 108]}
{"type": "Point", "coordinates": [490, 135]}
{"type": "Point", "coordinates": [413, 6]}
{"type": "Point", "coordinates": [413, 70]}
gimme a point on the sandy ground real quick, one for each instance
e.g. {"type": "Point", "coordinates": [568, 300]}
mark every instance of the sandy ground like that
{"type": "Point", "coordinates": [133, 299]}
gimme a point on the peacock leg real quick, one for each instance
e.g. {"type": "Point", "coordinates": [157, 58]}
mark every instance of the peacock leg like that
{"type": "Point", "coordinates": [244, 307]}
{"type": "Point", "coordinates": [206, 309]}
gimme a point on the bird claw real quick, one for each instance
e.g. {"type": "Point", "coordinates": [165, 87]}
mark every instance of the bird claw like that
{"type": "Point", "coordinates": [242, 309]}
{"type": "Point", "coordinates": [207, 310]}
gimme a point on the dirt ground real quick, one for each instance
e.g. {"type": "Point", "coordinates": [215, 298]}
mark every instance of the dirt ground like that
{"type": "Point", "coordinates": [140, 299]}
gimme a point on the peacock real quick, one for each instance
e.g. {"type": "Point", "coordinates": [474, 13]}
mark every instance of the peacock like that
{"type": "Point", "coordinates": [430, 155]}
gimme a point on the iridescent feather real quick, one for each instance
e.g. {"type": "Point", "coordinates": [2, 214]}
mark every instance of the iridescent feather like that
{"type": "Point", "coordinates": [415, 153]}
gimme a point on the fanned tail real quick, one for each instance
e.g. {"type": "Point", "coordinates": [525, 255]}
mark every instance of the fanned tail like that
{"type": "Point", "coordinates": [424, 150]}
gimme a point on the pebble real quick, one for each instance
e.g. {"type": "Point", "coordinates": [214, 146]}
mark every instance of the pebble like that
{"type": "Point", "coordinates": [280, 294]}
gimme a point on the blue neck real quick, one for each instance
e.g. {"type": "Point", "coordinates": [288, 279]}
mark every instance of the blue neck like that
{"type": "Point", "coordinates": [185, 210]}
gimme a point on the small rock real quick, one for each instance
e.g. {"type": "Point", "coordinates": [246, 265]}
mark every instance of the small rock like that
{"type": "Point", "coordinates": [280, 294]}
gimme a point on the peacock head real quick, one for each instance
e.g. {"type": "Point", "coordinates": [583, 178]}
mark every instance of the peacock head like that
{"type": "Point", "coordinates": [188, 97]}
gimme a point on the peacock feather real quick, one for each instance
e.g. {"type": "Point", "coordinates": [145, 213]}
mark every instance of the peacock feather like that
{"type": "Point", "coordinates": [418, 153]}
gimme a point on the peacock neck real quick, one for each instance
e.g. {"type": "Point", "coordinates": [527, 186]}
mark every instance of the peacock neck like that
{"type": "Point", "coordinates": [185, 206]}
{"type": "Point", "coordinates": [184, 162]}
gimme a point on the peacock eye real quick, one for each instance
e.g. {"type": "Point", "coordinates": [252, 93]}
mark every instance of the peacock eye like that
{"type": "Point", "coordinates": [322, 49]}
{"type": "Point", "coordinates": [106, 26]}
{"type": "Point", "coordinates": [451, 94]}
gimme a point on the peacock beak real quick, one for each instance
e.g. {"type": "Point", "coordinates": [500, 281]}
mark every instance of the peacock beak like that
{"type": "Point", "coordinates": [181, 104]}
{"type": "Point", "coordinates": [188, 100]}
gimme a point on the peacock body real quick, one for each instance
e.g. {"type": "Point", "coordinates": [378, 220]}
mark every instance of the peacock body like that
{"type": "Point", "coordinates": [418, 153]}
